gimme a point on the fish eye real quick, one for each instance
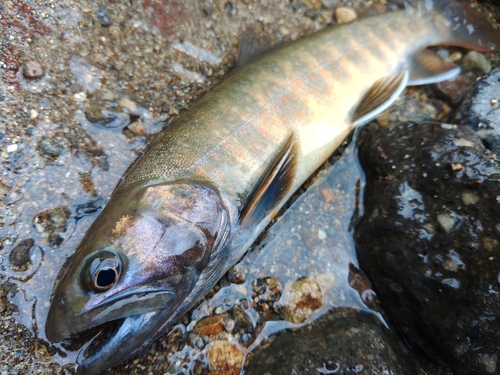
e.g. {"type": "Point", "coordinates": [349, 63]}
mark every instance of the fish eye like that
{"type": "Point", "coordinates": [103, 273]}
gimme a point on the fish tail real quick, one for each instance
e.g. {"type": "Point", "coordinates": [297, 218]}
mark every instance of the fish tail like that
{"type": "Point", "coordinates": [459, 23]}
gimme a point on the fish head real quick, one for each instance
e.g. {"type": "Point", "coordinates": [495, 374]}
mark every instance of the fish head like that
{"type": "Point", "coordinates": [138, 262]}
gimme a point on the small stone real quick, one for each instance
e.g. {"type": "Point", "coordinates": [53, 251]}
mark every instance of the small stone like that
{"type": "Point", "coordinates": [301, 300]}
{"type": "Point", "coordinates": [446, 220]}
{"type": "Point", "coordinates": [33, 114]}
{"type": "Point", "coordinates": [469, 197]}
{"type": "Point", "coordinates": [20, 255]}
{"type": "Point", "coordinates": [32, 69]}
{"type": "Point", "coordinates": [103, 16]}
{"type": "Point", "coordinates": [80, 96]}
{"type": "Point", "coordinates": [225, 358]}
{"type": "Point", "coordinates": [42, 353]}
{"type": "Point", "coordinates": [50, 147]}
{"type": "Point", "coordinates": [476, 61]}
{"type": "Point", "coordinates": [455, 56]}
{"type": "Point", "coordinates": [345, 14]}
{"type": "Point", "coordinates": [210, 325]}
{"type": "Point", "coordinates": [49, 221]}
{"type": "Point", "coordinates": [330, 3]}
{"type": "Point", "coordinates": [4, 189]}
{"type": "Point", "coordinates": [312, 4]}
{"type": "Point", "coordinates": [89, 208]}
{"type": "Point", "coordinates": [12, 148]}
{"type": "Point", "coordinates": [454, 89]}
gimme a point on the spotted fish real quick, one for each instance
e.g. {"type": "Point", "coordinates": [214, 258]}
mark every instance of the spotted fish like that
{"type": "Point", "coordinates": [198, 197]}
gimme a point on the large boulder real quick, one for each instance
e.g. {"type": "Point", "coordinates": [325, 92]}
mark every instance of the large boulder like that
{"type": "Point", "coordinates": [429, 239]}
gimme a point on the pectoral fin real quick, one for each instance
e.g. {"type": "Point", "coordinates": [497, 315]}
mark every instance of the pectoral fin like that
{"type": "Point", "coordinates": [380, 96]}
{"type": "Point", "coordinates": [427, 67]}
{"type": "Point", "coordinates": [274, 186]}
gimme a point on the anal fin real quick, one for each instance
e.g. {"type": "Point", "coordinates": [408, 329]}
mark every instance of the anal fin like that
{"type": "Point", "coordinates": [274, 185]}
{"type": "Point", "coordinates": [380, 96]}
{"type": "Point", "coordinates": [427, 67]}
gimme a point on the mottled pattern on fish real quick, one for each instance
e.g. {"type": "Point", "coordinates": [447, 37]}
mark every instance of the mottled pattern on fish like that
{"type": "Point", "coordinates": [310, 87]}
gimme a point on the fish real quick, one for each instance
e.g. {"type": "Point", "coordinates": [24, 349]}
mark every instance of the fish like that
{"type": "Point", "coordinates": [198, 197]}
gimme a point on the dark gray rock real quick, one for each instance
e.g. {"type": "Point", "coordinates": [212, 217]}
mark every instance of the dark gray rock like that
{"type": "Point", "coordinates": [341, 342]}
{"type": "Point", "coordinates": [480, 110]}
{"type": "Point", "coordinates": [429, 239]}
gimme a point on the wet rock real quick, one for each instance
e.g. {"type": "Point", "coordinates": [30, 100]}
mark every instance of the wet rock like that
{"type": "Point", "coordinates": [104, 110]}
{"type": "Point", "coordinates": [476, 61]}
{"type": "Point", "coordinates": [480, 110]}
{"type": "Point", "coordinates": [428, 239]}
{"type": "Point", "coordinates": [51, 147]}
{"type": "Point", "coordinates": [32, 69]}
{"type": "Point", "coordinates": [89, 208]}
{"type": "Point", "coordinates": [454, 89]}
{"type": "Point", "coordinates": [211, 325]}
{"type": "Point", "coordinates": [225, 358]}
{"type": "Point", "coordinates": [301, 300]}
{"type": "Point", "coordinates": [51, 223]}
{"type": "Point", "coordinates": [345, 14]}
{"type": "Point", "coordinates": [339, 343]}
{"type": "Point", "coordinates": [20, 255]}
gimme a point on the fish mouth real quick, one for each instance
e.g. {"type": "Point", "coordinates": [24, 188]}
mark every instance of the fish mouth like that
{"type": "Point", "coordinates": [103, 336]}
{"type": "Point", "coordinates": [106, 345]}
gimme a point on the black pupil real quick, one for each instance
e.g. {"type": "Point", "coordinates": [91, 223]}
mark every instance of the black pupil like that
{"type": "Point", "coordinates": [106, 277]}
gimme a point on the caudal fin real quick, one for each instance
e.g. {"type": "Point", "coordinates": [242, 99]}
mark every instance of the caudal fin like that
{"type": "Point", "coordinates": [467, 26]}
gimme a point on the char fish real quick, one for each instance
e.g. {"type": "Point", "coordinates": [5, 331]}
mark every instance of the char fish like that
{"type": "Point", "coordinates": [198, 197]}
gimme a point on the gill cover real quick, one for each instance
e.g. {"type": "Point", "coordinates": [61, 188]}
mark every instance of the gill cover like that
{"type": "Point", "coordinates": [142, 256]}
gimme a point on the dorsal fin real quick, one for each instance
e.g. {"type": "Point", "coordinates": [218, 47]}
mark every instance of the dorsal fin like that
{"type": "Point", "coordinates": [427, 67]}
{"type": "Point", "coordinates": [380, 96]}
{"type": "Point", "coordinates": [253, 44]}
{"type": "Point", "coordinates": [274, 185]}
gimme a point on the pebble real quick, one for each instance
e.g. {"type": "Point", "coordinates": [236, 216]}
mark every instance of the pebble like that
{"type": "Point", "coordinates": [345, 14]}
{"type": "Point", "coordinates": [12, 148]}
{"type": "Point", "coordinates": [20, 255]}
{"type": "Point", "coordinates": [330, 3]}
{"type": "Point", "coordinates": [50, 147]}
{"type": "Point", "coordinates": [303, 298]}
{"type": "Point", "coordinates": [312, 4]}
{"type": "Point", "coordinates": [32, 69]}
{"type": "Point", "coordinates": [103, 16]}
{"type": "Point", "coordinates": [476, 61]}
{"type": "Point", "coordinates": [211, 325]}
{"type": "Point", "coordinates": [454, 89]}
{"type": "Point", "coordinates": [225, 358]}
{"type": "Point", "coordinates": [49, 221]}
{"type": "Point", "coordinates": [4, 189]}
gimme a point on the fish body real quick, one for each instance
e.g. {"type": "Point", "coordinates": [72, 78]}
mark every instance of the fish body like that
{"type": "Point", "coordinates": [198, 197]}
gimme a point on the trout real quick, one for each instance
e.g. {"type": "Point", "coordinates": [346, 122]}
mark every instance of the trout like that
{"type": "Point", "coordinates": [195, 201]}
